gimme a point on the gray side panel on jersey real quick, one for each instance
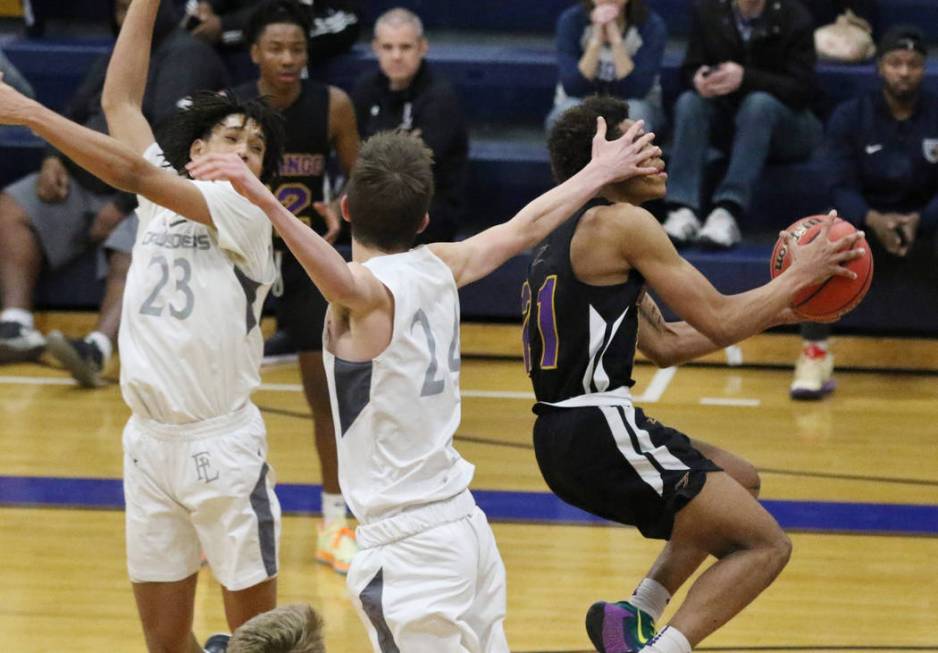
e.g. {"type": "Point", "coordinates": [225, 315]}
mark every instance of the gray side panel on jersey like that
{"type": "Point", "coordinates": [249, 286]}
{"type": "Point", "coordinates": [352, 389]}
{"type": "Point", "coordinates": [266, 528]}
{"type": "Point", "coordinates": [371, 603]}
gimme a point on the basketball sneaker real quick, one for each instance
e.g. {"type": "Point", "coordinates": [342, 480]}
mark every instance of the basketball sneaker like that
{"type": "Point", "coordinates": [19, 342]}
{"type": "Point", "coordinates": [217, 643]}
{"type": "Point", "coordinates": [82, 358]}
{"type": "Point", "coordinates": [618, 627]}
{"type": "Point", "coordinates": [813, 374]}
{"type": "Point", "coordinates": [682, 226]}
{"type": "Point", "coordinates": [336, 545]}
{"type": "Point", "coordinates": [720, 231]}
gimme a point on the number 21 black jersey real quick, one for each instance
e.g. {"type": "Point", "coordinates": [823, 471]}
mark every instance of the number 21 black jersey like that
{"type": "Point", "coordinates": [579, 339]}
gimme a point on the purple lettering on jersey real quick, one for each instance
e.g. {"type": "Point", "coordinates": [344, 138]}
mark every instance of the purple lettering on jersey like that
{"type": "Point", "coordinates": [526, 325]}
{"type": "Point", "coordinates": [547, 323]}
{"type": "Point", "coordinates": [302, 165]}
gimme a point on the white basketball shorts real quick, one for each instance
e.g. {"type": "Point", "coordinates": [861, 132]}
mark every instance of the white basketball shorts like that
{"type": "Point", "coordinates": [204, 485]}
{"type": "Point", "coordinates": [442, 589]}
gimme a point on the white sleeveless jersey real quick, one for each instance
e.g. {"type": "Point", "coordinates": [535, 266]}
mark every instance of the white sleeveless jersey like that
{"type": "Point", "coordinates": [190, 339]}
{"type": "Point", "coordinates": [395, 416]}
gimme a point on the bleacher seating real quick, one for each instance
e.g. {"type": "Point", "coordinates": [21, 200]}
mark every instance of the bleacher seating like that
{"type": "Point", "coordinates": [500, 59]}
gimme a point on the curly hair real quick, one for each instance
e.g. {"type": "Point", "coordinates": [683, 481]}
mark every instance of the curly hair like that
{"type": "Point", "coordinates": [273, 12]}
{"type": "Point", "coordinates": [390, 189]}
{"type": "Point", "coordinates": [570, 139]}
{"type": "Point", "coordinates": [204, 111]}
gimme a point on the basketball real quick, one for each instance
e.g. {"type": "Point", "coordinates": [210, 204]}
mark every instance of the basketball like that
{"type": "Point", "coordinates": [836, 295]}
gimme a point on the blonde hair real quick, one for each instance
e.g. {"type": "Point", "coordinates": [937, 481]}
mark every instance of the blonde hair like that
{"type": "Point", "coordinates": [400, 16]}
{"type": "Point", "coordinates": [287, 629]}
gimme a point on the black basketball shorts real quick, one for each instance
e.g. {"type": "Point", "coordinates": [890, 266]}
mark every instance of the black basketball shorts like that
{"type": "Point", "coordinates": [301, 310]}
{"type": "Point", "coordinates": [616, 463]}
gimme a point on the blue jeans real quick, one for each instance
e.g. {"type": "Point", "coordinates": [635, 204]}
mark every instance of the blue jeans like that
{"type": "Point", "coordinates": [760, 128]}
{"type": "Point", "coordinates": [639, 109]}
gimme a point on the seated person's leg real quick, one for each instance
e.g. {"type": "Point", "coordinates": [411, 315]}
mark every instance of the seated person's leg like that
{"type": "Point", "coordinates": [651, 113]}
{"type": "Point", "coordinates": [693, 120]}
{"type": "Point", "coordinates": [37, 232]}
{"type": "Point", "coordinates": [20, 262]}
{"type": "Point", "coordinates": [87, 357]}
{"type": "Point", "coordinates": [765, 128]}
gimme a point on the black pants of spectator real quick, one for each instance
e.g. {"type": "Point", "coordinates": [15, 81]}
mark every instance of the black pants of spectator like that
{"type": "Point", "coordinates": [920, 262]}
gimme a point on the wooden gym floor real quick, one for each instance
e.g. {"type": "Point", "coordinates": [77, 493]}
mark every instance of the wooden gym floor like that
{"type": "Point", "coordinates": [853, 479]}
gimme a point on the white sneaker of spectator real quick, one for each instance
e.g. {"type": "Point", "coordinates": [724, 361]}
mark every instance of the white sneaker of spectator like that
{"type": "Point", "coordinates": [682, 226]}
{"type": "Point", "coordinates": [19, 342]}
{"type": "Point", "coordinates": [720, 230]}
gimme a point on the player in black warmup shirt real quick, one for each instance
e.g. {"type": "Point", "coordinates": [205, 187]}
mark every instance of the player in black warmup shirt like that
{"type": "Point", "coordinates": [319, 119]}
{"type": "Point", "coordinates": [585, 311]}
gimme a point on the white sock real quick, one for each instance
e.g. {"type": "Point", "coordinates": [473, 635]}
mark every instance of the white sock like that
{"type": "Point", "coordinates": [651, 597]}
{"type": "Point", "coordinates": [333, 507]}
{"type": "Point", "coordinates": [103, 343]}
{"type": "Point", "coordinates": [669, 640]}
{"type": "Point", "coordinates": [18, 315]}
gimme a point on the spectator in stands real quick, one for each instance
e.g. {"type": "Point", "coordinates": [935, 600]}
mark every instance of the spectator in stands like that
{"type": "Point", "coordinates": [751, 67]}
{"type": "Point", "coordinates": [881, 153]}
{"type": "Point", "coordinates": [334, 24]}
{"type": "Point", "coordinates": [49, 218]}
{"type": "Point", "coordinates": [406, 93]}
{"type": "Point", "coordinates": [611, 47]}
{"type": "Point", "coordinates": [14, 78]}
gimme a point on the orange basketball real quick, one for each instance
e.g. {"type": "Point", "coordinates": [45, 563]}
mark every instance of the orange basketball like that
{"type": "Point", "coordinates": [836, 295]}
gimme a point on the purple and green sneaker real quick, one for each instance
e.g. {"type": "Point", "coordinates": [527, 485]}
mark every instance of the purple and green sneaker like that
{"type": "Point", "coordinates": [618, 627]}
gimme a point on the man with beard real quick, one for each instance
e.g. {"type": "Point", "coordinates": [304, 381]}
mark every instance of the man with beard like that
{"type": "Point", "coordinates": [881, 156]}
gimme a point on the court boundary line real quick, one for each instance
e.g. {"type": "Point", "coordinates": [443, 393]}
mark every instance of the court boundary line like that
{"type": "Point", "coordinates": [783, 647]}
{"type": "Point", "coordinates": [859, 518]}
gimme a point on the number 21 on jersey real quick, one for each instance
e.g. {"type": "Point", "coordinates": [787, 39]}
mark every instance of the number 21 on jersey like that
{"type": "Point", "coordinates": [546, 324]}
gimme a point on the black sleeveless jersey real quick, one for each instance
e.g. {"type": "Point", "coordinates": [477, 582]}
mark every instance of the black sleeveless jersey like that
{"type": "Point", "coordinates": [578, 339]}
{"type": "Point", "coordinates": [306, 151]}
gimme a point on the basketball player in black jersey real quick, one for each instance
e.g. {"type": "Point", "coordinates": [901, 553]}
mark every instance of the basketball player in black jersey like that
{"type": "Point", "coordinates": [319, 119]}
{"type": "Point", "coordinates": [585, 311]}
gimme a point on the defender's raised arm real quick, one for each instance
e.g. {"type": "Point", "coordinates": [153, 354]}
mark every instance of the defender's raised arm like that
{"type": "Point", "coordinates": [126, 81]}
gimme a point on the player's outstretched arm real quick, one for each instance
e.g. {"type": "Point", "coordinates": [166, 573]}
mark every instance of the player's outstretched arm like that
{"type": "Point", "coordinates": [348, 285]}
{"type": "Point", "coordinates": [113, 162]}
{"type": "Point", "coordinates": [727, 319]}
{"type": "Point", "coordinates": [612, 161]}
{"type": "Point", "coordinates": [126, 80]}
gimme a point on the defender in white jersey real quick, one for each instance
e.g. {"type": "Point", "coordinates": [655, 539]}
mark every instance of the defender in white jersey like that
{"type": "Point", "coordinates": [195, 471]}
{"type": "Point", "coordinates": [428, 577]}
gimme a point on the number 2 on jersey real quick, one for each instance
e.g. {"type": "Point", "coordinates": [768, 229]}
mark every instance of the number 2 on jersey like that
{"type": "Point", "coordinates": [431, 384]}
{"type": "Point", "coordinates": [546, 324]}
{"type": "Point", "coordinates": [150, 305]}
{"type": "Point", "coordinates": [294, 197]}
